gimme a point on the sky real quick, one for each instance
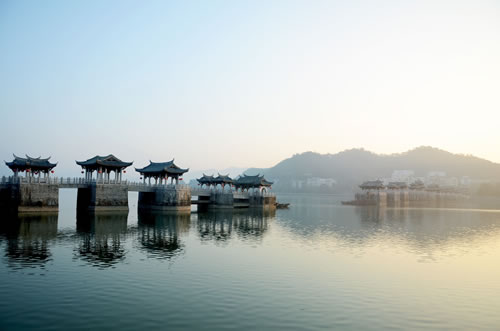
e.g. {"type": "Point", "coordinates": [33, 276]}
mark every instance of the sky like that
{"type": "Point", "coordinates": [218, 84]}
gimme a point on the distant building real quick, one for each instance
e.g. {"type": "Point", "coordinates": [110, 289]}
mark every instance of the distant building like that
{"type": "Point", "coordinates": [298, 184]}
{"type": "Point", "coordinates": [319, 182]}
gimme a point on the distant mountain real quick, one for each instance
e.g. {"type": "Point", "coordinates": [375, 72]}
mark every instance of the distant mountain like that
{"type": "Point", "coordinates": [351, 167]}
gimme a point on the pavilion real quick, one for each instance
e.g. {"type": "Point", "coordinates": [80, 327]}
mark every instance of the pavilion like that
{"type": "Point", "coordinates": [246, 182]}
{"type": "Point", "coordinates": [221, 180]}
{"type": "Point", "coordinates": [162, 171]}
{"type": "Point", "coordinates": [32, 166]}
{"type": "Point", "coordinates": [372, 185]}
{"type": "Point", "coordinates": [206, 180]}
{"type": "Point", "coordinates": [104, 165]}
{"type": "Point", "coordinates": [397, 186]}
{"type": "Point", "coordinates": [417, 185]}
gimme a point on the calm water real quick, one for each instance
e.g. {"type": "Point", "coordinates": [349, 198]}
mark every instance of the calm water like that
{"type": "Point", "coordinates": [319, 265]}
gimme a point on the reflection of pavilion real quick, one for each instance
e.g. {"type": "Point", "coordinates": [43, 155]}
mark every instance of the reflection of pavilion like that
{"type": "Point", "coordinates": [28, 237]}
{"type": "Point", "coordinates": [219, 225]}
{"type": "Point", "coordinates": [370, 214]}
{"type": "Point", "coordinates": [101, 236]}
{"type": "Point", "coordinates": [159, 233]}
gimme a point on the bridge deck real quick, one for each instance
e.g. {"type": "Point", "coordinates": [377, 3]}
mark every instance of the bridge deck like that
{"type": "Point", "coordinates": [131, 187]}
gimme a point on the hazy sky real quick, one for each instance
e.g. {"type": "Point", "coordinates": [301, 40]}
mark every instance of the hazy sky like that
{"type": "Point", "coordinates": [246, 83]}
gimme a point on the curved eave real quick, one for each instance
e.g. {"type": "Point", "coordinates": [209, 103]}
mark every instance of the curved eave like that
{"type": "Point", "coordinates": [114, 164]}
{"type": "Point", "coordinates": [176, 171]}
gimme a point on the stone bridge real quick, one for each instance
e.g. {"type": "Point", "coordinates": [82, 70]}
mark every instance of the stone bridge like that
{"type": "Point", "coordinates": [38, 194]}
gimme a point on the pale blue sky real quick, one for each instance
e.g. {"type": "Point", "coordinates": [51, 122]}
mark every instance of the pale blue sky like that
{"type": "Point", "coordinates": [246, 83]}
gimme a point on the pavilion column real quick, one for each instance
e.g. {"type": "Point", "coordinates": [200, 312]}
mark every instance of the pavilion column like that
{"type": "Point", "coordinates": [120, 177]}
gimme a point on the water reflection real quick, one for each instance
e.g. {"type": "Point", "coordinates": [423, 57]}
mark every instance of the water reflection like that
{"type": "Point", "coordinates": [101, 236]}
{"type": "Point", "coordinates": [220, 226]}
{"type": "Point", "coordinates": [27, 239]}
{"type": "Point", "coordinates": [159, 233]}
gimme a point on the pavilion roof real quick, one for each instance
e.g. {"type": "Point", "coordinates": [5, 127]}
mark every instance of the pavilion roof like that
{"type": "Point", "coordinates": [206, 179]}
{"type": "Point", "coordinates": [372, 184]}
{"type": "Point", "coordinates": [252, 181]}
{"type": "Point", "coordinates": [35, 163]}
{"type": "Point", "coordinates": [418, 184]}
{"type": "Point", "coordinates": [109, 161]}
{"type": "Point", "coordinates": [223, 179]}
{"type": "Point", "coordinates": [397, 185]}
{"type": "Point", "coordinates": [162, 168]}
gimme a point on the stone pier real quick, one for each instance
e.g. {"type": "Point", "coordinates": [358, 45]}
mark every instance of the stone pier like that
{"type": "Point", "coordinates": [262, 201]}
{"type": "Point", "coordinates": [29, 197]}
{"type": "Point", "coordinates": [103, 197]}
{"type": "Point", "coordinates": [404, 198]}
{"type": "Point", "coordinates": [370, 198]}
{"type": "Point", "coordinates": [393, 198]}
{"type": "Point", "coordinates": [166, 199]}
{"type": "Point", "coordinates": [221, 200]}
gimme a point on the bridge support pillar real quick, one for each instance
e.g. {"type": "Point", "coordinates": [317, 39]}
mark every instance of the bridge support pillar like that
{"type": "Point", "coordinates": [166, 199]}
{"type": "Point", "coordinates": [393, 198]}
{"type": "Point", "coordinates": [96, 197]}
{"type": "Point", "coordinates": [221, 200]}
{"type": "Point", "coordinates": [29, 197]}
{"type": "Point", "coordinates": [262, 201]}
{"type": "Point", "coordinates": [404, 198]}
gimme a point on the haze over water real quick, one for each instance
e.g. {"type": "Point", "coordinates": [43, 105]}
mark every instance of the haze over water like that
{"type": "Point", "coordinates": [318, 265]}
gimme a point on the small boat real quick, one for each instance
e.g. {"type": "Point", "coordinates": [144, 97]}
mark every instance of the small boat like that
{"type": "Point", "coordinates": [281, 205]}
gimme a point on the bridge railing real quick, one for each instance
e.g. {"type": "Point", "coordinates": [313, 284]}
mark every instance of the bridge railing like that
{"type": "Point", "coordinates": [56, 180]}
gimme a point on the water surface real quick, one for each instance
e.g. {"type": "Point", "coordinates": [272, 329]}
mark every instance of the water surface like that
{"type": "Point", "coordinates": [316, 266]}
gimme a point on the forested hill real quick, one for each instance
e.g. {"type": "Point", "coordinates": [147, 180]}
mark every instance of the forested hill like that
{"type": "Point", "coordinates": [353, 166]}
